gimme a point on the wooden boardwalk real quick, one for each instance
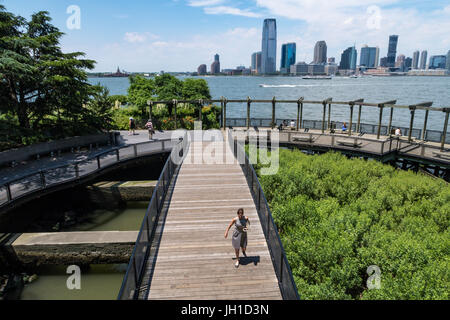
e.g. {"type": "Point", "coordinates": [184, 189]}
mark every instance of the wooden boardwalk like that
{"type": "Point", "coordinates": [194, 260]}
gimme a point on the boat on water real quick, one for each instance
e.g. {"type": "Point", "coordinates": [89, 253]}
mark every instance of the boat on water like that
{"type": "Point", "coordinates": [317, 78]}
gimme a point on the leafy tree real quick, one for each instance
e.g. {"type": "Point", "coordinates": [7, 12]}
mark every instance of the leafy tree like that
{"type": "Point", "coordinates": [140, 91]}
{"type": "Point", "coordinates": [168, 88]}
{"type": "Point", "coordinates": [38, 79]}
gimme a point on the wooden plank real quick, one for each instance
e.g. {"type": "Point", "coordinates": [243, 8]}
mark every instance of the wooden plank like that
{"type": "Point", "coordinates": [194, 260]}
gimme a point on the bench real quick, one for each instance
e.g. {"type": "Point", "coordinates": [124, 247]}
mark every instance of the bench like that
{"type": "Point", "coordinates": [303, 138]}
{"type": "Point", "coordinates": [442, 154]}
{"type": "Point", "coordinates": [353, 144]}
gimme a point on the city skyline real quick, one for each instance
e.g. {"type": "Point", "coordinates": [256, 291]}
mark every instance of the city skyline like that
{"type": "Point", "coordinates": [147, 37]}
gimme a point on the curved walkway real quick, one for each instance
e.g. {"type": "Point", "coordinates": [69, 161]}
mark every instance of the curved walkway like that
{"type": "Point", "coordinates": [36, 175]}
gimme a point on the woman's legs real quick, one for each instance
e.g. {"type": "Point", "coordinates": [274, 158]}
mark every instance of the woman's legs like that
{"type": "Point", "coordinates": [243, 251]}
{"type": "Point", "coordinates": [237, 256]}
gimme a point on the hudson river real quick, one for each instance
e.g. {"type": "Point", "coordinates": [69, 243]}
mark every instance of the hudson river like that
{"type": "Point", "coordinates": [406, 90]}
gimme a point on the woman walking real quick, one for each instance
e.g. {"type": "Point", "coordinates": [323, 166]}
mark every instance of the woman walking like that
{"type": "Point", "coordinates": [239, 240]}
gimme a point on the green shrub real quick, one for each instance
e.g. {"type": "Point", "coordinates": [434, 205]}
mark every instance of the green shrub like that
{"type": "Point", "coordinates": [338, 216]}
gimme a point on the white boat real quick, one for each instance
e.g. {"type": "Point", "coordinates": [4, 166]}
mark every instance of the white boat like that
{"type": "Point", "coordinates": [317, 78]}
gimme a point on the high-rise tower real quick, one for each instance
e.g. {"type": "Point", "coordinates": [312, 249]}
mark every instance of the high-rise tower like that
{"type": "Point", "coordinates": [288, 56]}
{"type": "Point", "coordinates": [392, 51]}
{"type": "Point", "coordinates": [320, 52]}
{"type": "Point", "coordinates": [423, 60]}
{"type": "Point", "coordinates": [269, 47]}
{"type": "Point", "coordinates": [415, 61]}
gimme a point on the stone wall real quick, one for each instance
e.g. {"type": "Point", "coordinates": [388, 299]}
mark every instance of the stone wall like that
{"type": "Point", "coordinates": [78, 248]}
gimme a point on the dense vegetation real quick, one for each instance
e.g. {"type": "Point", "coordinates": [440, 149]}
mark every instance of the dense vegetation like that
{"type": "Point", "coordinates": [45, 93]}
{"type": "Point", "coordinates": [166, 88]}
{"type": "Point", "coordinates": [337, 217]}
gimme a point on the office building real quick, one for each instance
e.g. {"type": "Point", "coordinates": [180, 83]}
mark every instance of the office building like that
{"type": "Point", "coordinates": [269, 47]}
{"type": "Point", "coordinates": [348, 59]}
{"type": "Point", "coordinates": [256, 63]}
{"type": "Point", "coordinates": [201, 70]}
{"type": "Point", "coordinates": [369, 56]}
{"type": "Point", "coordinates": [437, 62]}
{"type": "Point", "coordinates": [288, 56]}
{"type": "Point", "coordinates": [415, 60]}
{"type": "Point", "coordinates": [215, 66]}
{"type": "Point", "coordinates": [447, 65]}
{"type": "Point", "coordinates": [400, 61]}
{"type": "Point", "coordinates": [299, 69]}
{"type": "Point", "coordinates": [423, 60]}
{"type": "Point", "coordinates": [316, 69]}
{"type": "Point", "coordinates": [407, 64]}
{"type": "Point", "coordinates": [320, 52]}
{"type": "Point", "coordinates": [392, 51]}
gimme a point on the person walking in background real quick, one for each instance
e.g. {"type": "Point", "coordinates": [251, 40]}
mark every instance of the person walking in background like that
{"type": "Point", "coordinates": [239, 240]}
{"type": "Point", "coordinates": [151, 131]}
{"type": "Point", "coordinates": [344, 127]}
{"type": "Point", "coordinates": [398, 132]}
{"type": "Point", "coordinates": [132, 125]}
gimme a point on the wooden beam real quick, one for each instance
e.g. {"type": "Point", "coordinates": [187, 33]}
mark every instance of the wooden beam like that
{"type": "Point", "coordinates": [381, 106]}
{"type": "Point", "coordinates": [424, 133]}
{"type": "Point", "coordinates": [411, 122]}
{"type": "Point", "coordinates": [175, 104]}
{"type": "Point", "coordinates": [224, 113]}
{"type": "Point", "coordinates": [444, 132]}
{"type": "Point", "coordinates": [273, 112]}
{"type": "Point", "coordinates": [299, 113]}
{"type": "Point", "coordinates": [249, 101]}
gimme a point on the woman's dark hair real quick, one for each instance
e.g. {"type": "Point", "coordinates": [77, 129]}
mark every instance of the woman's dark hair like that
{"type": "Point", "coordinates": [240, 209]}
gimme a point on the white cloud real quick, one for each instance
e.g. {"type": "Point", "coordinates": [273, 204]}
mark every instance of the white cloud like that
{"type": "Point", "coordinates": [231, 11]}
{"type": "Point", "coordinates": [136, 37]}
{"type": "Point", "coordinates": [344, 23]}
{"type": "Point", "coordinates": [204, 3]}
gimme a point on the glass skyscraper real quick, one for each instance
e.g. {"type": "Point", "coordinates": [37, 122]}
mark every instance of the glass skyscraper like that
{"type": "Point", "coordinates": [256, 62]}
{"type": "Point", "coordinates": [348, 59]}
{"type": "Point", "coordinates": [447, 65]}
{"type": "Point", "coordinates": [392, 51]}
{"type": "Point", "coordinates": [369, 57]}
{"type": "Point", "coordinates": [437, 62]}
{"type": "Point", "coordinates": [269, 47]}
{"type": "Point", "coordinates": [288, 56]}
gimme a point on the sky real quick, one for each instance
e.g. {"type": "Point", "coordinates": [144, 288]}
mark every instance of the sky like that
{"type": "Point", "coordinates": [179, 35]}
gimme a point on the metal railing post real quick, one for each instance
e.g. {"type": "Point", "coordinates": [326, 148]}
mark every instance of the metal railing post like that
{"type": "Point", "coordinates": [77, 171]}
{"type": "Point", "coordinates": [98, 162]}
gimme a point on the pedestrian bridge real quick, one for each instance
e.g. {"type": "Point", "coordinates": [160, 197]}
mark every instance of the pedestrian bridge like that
{"type": "Point", "coordinates": [181, 252]}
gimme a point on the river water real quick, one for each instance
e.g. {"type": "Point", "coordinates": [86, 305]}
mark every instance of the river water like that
{"type": "Point", "coordinates": [406, 90]}
{"type": "Point", "coordinates": [99, 282]}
